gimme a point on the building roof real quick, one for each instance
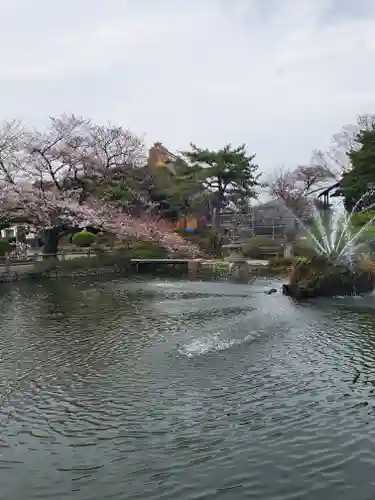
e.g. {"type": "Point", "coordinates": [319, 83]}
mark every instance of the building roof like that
{"type": "Point", "coordinates": [328, 190]}
{"type": "Point", "coordinates": [159, 157]}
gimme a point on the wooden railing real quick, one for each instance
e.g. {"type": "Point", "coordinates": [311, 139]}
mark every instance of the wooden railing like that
{"type": "Point", "coordinates": [271, 251]}
{"type": "Point", "coordinates": [263, 251]}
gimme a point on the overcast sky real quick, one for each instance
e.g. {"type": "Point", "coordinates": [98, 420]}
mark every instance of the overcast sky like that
{"type": "Point", "coordinates": [279, 75]}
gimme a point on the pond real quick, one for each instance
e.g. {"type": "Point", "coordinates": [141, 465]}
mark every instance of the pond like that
{"type": "Point", "coordinates": [152, 389]}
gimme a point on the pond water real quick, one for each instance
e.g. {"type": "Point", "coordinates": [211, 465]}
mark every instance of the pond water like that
{"type": "Point", "coordinates": [113, 389]}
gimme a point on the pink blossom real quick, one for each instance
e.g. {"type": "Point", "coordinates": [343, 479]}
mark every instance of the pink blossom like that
{"type": "Point", "coordinates": [48, 208]}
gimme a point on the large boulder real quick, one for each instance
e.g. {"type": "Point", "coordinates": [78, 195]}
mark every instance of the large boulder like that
{"type": "Point", "coordinates": [322, 277]}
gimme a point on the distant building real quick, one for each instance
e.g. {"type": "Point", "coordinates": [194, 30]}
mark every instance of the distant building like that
{"type": "Point", "coordinates": [271, 219]}
{"type": "Point", "coordinates": [13, 233]}
{"type": "Point", "coordinates": [272, 213]}
{"type": "Point", "coordinates": [160, 157]}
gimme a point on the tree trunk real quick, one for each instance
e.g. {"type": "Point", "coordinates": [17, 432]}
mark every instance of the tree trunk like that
{"type": "Point", "coordinates": [51, 238]}
{"type": "Point", "coordinates": [51, 243]}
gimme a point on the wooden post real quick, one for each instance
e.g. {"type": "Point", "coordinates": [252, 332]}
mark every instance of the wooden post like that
{"type": "Point", "coordinates": [193, 267]}
{"type": "Point", "coordinates": [245, 271]}
{"type": "Point", "coordinates": [287, 249]}
{"type": "Point", "coordinates": [7, 263]}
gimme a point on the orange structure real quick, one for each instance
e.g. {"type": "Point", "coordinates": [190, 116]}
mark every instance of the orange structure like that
{"type": "Point", "coordinates": [159, 157]}
{"type": "Point", "coordinates": [187, 223]}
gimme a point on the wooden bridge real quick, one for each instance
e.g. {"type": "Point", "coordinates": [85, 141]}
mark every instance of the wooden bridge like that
{"type": "Point", "coordinates": [325, 194]}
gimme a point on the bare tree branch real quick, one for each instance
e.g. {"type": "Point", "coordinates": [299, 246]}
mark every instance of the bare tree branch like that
{"type": "Point", "coordinates": [12, 141]}
{"type": "Point", "coordinates": [294, 187]}
{"type": "Point", "coordinates": [336, 157]}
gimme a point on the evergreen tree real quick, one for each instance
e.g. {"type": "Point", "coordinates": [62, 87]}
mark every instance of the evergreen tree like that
{"type": "Point", "coordinates": [229, 174]}
{"type": "Point", "coordinates": [358, 181]}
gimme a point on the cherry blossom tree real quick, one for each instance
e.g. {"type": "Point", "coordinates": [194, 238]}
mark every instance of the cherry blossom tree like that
{"type": "Point", "coordinates": [295, 187]}
{"type": "Point", "coordinates": [56, 214]}
{"type": "Point", "coordinates": [52, 180]}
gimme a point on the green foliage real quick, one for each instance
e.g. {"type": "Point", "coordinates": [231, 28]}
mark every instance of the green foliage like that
{"type": "Point", "coordinates": [369, 233]}
{"type": "Point", "coordinates": [96, 260]}
{"type": "Point", "coordinates": [182, 232]}
{"type": "Point", "coordinates": [120, 193]}
{"type": "Point", "coordinates": [46, 266]}
{"type": "Point", "coordinates": [5, 246]}
{"type": "Point", "coordinates": [355, 183]}
{"type": "Point", "coordinates": [179, 193]}
{"type": "Point", "coordinates": [83, 239]}
{"type": "Point", "coordinates": [148, 250]}
{"type": "Point", "coordinates": [170, 207]}
{"type": "Point", "coordinates": [5, 222]}
{"type": "Point", "coordinates": [229, 173]}
{"type": "Point", "coordinates": [214, 240]}
{"type": "Point", "coordinates": [205, 180]}
{"type": "Point", "coordinates": [209, 241]}
{"type": "Point", "coordinates": [281, 265]}
{"type": "Point", "coordinates": [255, 247]}
{"type": "Point", "coordinates": [222, 269]}
{"type": "Point", "coordinates": [303, 248]}
{"type": "Point", "coordinates": [105, 239]}
{"type": "Point", "coordinates": [366, 236]}
{"type": "Point", "coordinates": [284, 262]}
{"type": "Point", "coordinates": [359, 219]}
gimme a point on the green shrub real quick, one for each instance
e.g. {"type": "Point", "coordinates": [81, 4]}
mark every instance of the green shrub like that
{"type": "Point", "coordinates": [367, 234]}
{"type": "Point", "coordinates": [148, 250]}
{"type": "Point", "coordinates": [207, 240]}
{"type": "Point", "coordinates": [83, 239]}
{"type": "Point", "coordinates": [303, 248]}
{"type": "Point", "coordinates": [99, 251]}
{"type": "Point", "coordinates": [105, 239]}
{"type": "Point", "coordinates": [45, 266]}
{"type": "Point", "coordinates": [254, 247]}
{"type": "Point", "coordinates": [180, 231]}
{"type": "Point", "coordinates": [285, 262]}
{"type": "Point", "coordinates": [359, 219]}
{"type": "Point", "coordinates": [119, 259]}
{"type": "Point", "coordinates": [5, 246]}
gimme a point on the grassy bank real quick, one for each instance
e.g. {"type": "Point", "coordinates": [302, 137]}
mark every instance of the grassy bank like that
{"type": "Point", "coordinates": [120, 262]}
{"type": "Point", "coordinates": [105, 263]}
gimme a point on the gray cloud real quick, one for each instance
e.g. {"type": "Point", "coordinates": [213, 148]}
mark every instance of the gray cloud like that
{"type": "Point", "coordinates": [281, 76]}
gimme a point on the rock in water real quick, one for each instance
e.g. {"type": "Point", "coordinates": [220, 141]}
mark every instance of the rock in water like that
{"type": "Point", "coordinates": [322, 277]}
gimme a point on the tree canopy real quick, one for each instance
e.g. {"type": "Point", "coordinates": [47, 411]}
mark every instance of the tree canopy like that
{"type": "Point", "coordinates": [60, 178]}
{"type": "Point", "coordinates": [296, 188]}
{"type": "Point", "coordinates": [228, 174]}
{"type": "Point", "coordinates": [356, 183]}
{"type": "Point", "coordinates": [77, 173]}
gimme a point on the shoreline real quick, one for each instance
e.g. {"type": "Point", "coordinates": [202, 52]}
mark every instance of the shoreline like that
{"type": "Point", "coordinates": [95, 266]}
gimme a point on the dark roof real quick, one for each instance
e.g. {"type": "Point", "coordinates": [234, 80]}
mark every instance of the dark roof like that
{"type": "Point", "coordinates": [326, 191]}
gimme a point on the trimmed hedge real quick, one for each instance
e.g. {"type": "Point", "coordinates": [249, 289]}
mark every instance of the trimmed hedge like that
{"type": "Point", "coordinates": [83, 239]}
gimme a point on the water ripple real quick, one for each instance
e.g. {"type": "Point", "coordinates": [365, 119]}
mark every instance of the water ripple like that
{"type": "Point", "coordinates": [167, 389]}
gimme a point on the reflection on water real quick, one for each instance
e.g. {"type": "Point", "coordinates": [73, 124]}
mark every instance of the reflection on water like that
{"type": "Point", "coordinates": [188, 390]}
